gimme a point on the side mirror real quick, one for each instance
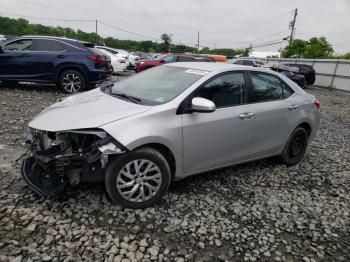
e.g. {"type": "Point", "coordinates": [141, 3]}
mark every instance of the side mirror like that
{"type": "Point", "coordinates": [202, 105]}
{"type": "Point", "coordinates": [162, 61]}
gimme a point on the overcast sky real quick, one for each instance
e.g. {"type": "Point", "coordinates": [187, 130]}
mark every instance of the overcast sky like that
{"type": "Point", "coordinates": [222, 23]}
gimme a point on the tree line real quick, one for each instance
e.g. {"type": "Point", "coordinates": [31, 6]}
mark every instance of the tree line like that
{"type": "Point", "coordinates": [20, 26]}
{"type": "Point", "coordinates": [316, 47]}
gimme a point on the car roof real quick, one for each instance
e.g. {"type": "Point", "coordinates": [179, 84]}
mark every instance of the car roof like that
{"type": "Point", "coordinates": [208, 66]}
{"type": "Point", "coordinates": [220, 67]}
{"type": "Point", "coordinates": [51, 37]}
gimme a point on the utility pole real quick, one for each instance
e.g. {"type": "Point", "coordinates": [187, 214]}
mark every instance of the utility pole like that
{"type": "Point", "coordinates": [171, 36]}
{"type": "Point", "coordinates": [292, 26]}
{"type": "Point", "coordinates": [96, 31]}
{"type": "Point", "coordinates": [198, 42]}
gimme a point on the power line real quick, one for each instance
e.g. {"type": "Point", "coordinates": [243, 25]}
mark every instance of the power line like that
{"type": "Point", "coordinates": [261, 38]}
{"type": "Point", "coordinates": [139, 34]}
{"type": "Point", "coordinates": [127, 31]}
{"type": "Point", "coordinates": [259, 24]}
{"type": "Point", "coordinates": [272, 42]}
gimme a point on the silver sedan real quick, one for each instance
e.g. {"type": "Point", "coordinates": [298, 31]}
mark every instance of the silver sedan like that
{"type": "Point", "coordinates": [165, 124]}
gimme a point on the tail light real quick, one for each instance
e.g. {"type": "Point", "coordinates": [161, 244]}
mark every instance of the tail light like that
{"type": "Point", "coordinates": [96, 58]}
{"type": "Point", "coordinates": [317, 104]}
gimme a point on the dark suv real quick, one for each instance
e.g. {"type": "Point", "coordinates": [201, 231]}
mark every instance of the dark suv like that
{"type": "Point", "coordinates": [306, 70]}
{"type": "Point", "coordinates": [72, 65]}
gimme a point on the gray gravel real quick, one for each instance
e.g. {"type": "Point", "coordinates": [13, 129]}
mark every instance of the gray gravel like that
{"type": "Point", "coordinates": [261, 211]}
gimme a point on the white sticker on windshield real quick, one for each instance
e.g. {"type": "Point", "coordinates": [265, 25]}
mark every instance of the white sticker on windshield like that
{"type": "Point", "coordinates": [159, 99]}
{"type": "Point", "coordinates": [196, 71]}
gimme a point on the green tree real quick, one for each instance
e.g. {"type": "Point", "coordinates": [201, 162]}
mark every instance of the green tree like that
{"type": "Point", "coordinates": [316, 47]}
{"type": "Point", "coordinates": [343, 56]}
{"type": "Point", "coordinates": [296, 49]}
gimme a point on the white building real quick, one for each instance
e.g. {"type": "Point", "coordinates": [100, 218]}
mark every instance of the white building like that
{"type": "Point", "coordinates": [264, 54]}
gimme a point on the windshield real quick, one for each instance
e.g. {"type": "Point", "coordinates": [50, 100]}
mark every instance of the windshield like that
{"type": "Point", "coordinates": [159, 84]}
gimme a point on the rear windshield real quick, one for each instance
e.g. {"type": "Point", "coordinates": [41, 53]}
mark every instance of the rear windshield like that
{"type": "Point", "coordinates": [96, 51]}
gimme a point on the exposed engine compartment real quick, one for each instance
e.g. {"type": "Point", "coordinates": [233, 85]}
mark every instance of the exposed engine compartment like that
{"type": "Point", "coordinates": [60, 159]}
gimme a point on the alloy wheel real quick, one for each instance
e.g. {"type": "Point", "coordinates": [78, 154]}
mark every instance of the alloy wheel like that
{"type": "Point", "coordinates": [71, 83]}
{"type": "Point", "coordinates": [139, 180]}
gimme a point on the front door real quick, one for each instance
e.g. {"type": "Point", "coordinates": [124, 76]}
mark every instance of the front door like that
{"type": "Point", "coordinates": [15, 60]}
{"type": "Point", "coordinates": [221, 137]}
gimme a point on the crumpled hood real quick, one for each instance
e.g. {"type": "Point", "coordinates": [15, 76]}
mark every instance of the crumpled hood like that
{"type": "Point", "coordinates": [87, 110]}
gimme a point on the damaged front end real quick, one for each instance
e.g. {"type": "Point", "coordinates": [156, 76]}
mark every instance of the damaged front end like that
{"type": "Point", "coordinates": [60, 159]}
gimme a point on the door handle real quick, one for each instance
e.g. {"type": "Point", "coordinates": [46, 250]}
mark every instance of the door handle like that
{"type": "Point", "coordinates": [246, 115]}
{"type": "Point", "coordinates": [24, 55]}
{"type": "Point", "coordinates": [61, 56]}
{"type": "Point", "coordinates": [293, 107]}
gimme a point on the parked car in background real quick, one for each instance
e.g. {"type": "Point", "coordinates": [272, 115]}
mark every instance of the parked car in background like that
{"type": "Point", "coordinates": [125, 54]}
{"type": "Point", "coordinates": [297, 78]}
{"type": "Point", "coordinates": [141, 55]}
{"type": "Point", "coordinates": [194, 117]}
{"type": "Point", "coordinates": [118, 63]}
{"type": "Point", "coordinates": [153, 56]}
{"type": "Point", "coordinates": [306, 70]}
{"type": "Point", "coordinates": [289, 71]}
{"type": "Point", "coordinates": [132, 58]}
{"type": "Point", "coordinates": [114, 52]}
{"type": "Point", "coordinates": [72, 65]}
{"type": "Point", "coordinates": [248, 62]}
{"type": "Point", "coordinates": [169, 58]}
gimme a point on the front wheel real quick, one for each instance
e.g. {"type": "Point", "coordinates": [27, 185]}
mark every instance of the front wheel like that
{"type": "Point", "coordinates": [295, 147]}
{"type": "Point", "coordinates": [71, 81]}
{"type": "Point", "coordinates": [138, 179]}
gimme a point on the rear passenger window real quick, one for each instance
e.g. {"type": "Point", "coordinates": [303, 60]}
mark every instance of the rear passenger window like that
{"type": "Point", "coordinates": [268, 87]}
{"type": "Point", "coordinates": [225, 90]}
{"type": "Point", "coordinates": [48, 45]}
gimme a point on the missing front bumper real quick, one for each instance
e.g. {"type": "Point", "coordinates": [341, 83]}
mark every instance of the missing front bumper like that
{"type": "Point", "coordinates": [41, 181]}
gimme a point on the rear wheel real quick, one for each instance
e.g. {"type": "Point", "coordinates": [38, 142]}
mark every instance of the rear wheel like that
{"type": "Point", "coordinates": [71, 81]}
{"type": "Point", "coordinates": [295, 147]}
{"type": "Point", "coordinates": [138, 179]}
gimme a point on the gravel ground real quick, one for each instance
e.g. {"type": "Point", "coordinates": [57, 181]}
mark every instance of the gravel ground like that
{"type": "Point", "coordinates": [261, 211]}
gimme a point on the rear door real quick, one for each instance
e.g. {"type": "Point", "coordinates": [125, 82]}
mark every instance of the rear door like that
{"type": "Point", "coordinates": [16, 61]}
{"type": "Point", "coordinates": [47, 54]}
{"type": "Point", "coordinates": [276, 109]}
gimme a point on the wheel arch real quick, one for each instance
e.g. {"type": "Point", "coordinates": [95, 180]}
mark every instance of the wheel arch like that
{"type": "Point", "coordinates": [166, 152]}
{"type": "Point", "coordinates": [306, 126]}
{"type": "Point", "coordinates": [64, 68]}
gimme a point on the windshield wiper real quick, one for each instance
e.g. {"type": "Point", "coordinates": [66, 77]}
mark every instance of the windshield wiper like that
{"type": "Point", "coordinates": [130, 98]}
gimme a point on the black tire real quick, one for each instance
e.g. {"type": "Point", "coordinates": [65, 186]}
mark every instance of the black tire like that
{"type": "Point", "coordinates": [295, 147]}
{"type": "Point", "coordinates": [114, 170]}
{"type": "Point", "coordinates": [77, 80]}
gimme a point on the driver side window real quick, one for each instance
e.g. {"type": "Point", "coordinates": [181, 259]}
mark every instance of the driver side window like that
{"type": "Point", "coordinates": [20, 45]}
